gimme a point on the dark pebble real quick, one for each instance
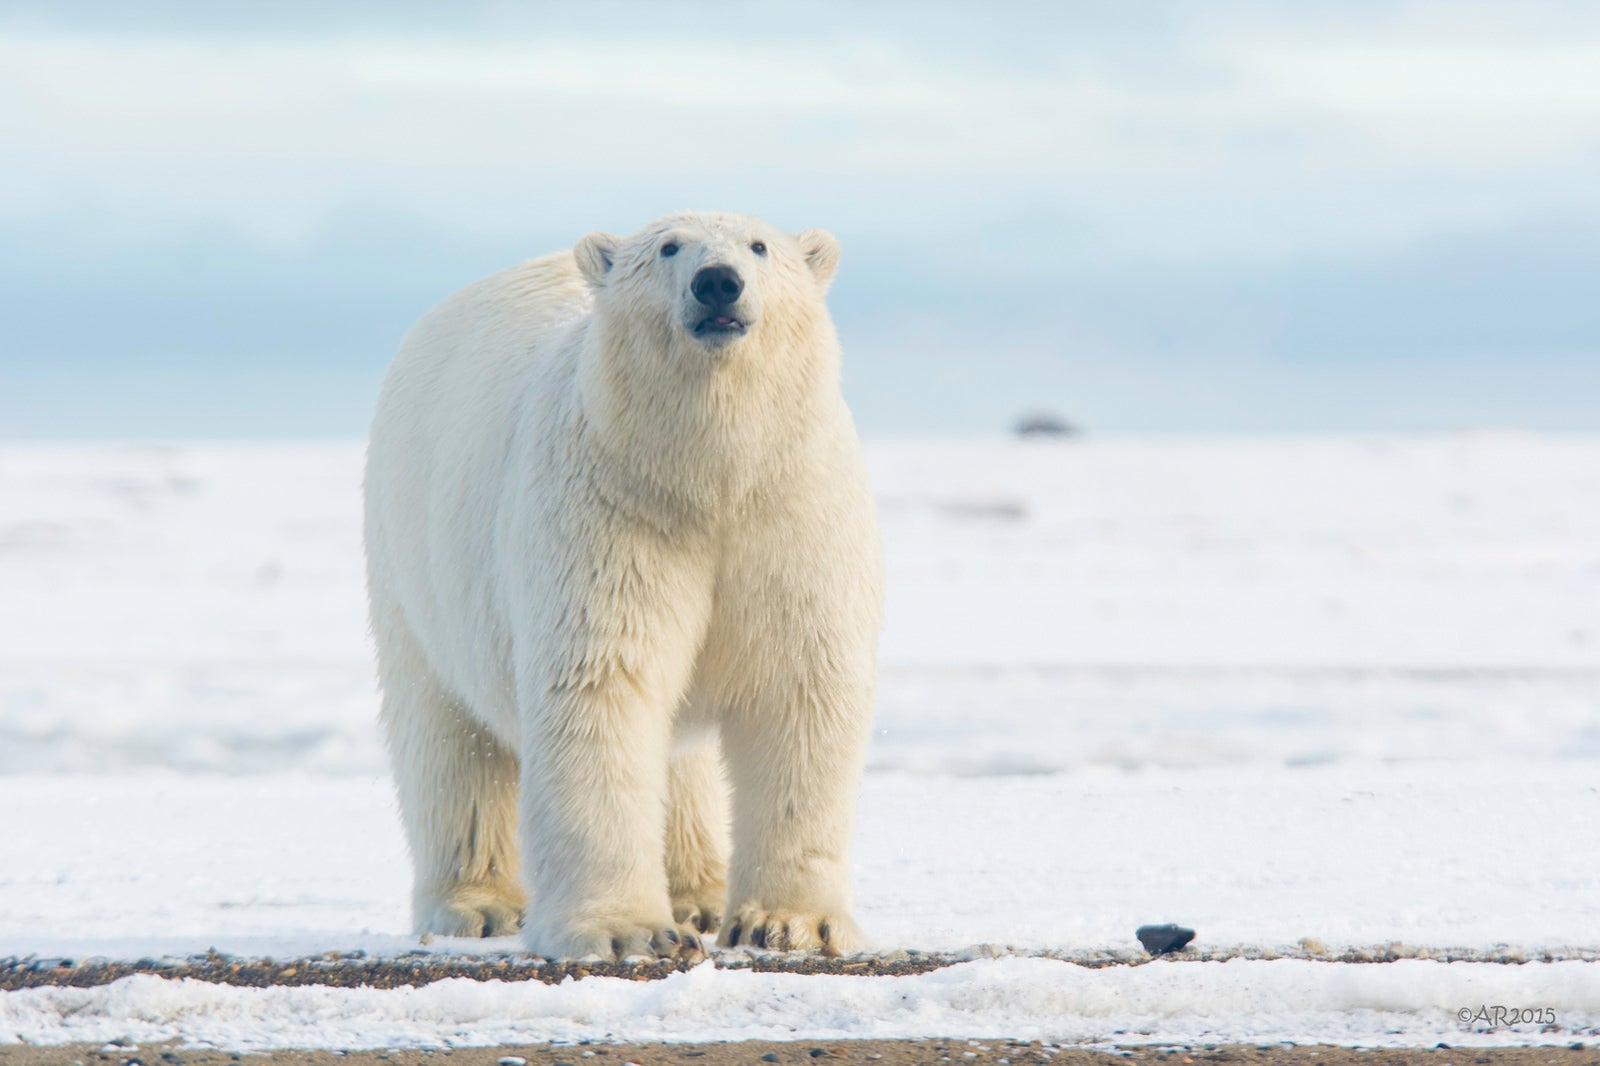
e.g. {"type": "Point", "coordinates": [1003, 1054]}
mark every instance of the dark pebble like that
{"type": "Point", "coordinates": [1163, 939]}
{"type": "Point", "coordinates": [769, 1057]}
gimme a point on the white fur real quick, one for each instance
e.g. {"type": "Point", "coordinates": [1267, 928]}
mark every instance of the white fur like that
{"type": "Point", "coordinates": [614, 564]}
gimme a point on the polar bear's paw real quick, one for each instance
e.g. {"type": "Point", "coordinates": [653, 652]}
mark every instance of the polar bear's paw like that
{"type": "Point", "coordinates": [623, 939]}
{"type": "Point", "coordinates": [473, 910]}
{"type": "Point", "coordinates": [700, 910]}
{"type": "Point", "coordinates": [778, 930]}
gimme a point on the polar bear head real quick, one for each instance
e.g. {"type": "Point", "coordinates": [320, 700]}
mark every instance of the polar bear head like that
{"type": "Point", "coordinates": [715, 282]}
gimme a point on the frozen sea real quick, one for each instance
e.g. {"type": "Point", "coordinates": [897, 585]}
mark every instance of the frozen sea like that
{"type": "Point", "coordinates": [1271, 688]}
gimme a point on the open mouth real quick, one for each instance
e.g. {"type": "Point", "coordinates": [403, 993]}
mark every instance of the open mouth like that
{"type": "Point", "coordinates": [719, 326]}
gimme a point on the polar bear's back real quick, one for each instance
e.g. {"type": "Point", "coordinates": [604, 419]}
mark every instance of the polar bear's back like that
{"type": "Point", "coordinates": [489, 332]}
{"type": "Point", "coordinates": [467, 374]}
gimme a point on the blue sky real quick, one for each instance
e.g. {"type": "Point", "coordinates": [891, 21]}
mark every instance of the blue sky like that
{"type": "Point", "coordinates": [217, 220]}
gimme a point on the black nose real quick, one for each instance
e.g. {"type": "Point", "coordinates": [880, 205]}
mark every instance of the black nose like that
{"type": "Point", "coordinates": [716, 286]}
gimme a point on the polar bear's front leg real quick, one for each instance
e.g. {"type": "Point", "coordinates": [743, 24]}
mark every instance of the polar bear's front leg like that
{"type": "Point", "coordinates": [793, 658]}
{"type": "Point", "coordinates": [796, 768]}
{"type": "Point", "coordinates": [594, 789]}
{"type": "Point", "coordinates": [602, 672]}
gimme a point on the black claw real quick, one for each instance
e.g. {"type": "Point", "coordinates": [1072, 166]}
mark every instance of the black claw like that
{"type": "Point", "coordinates": [758, 936]}
{"type": "Point", "coordinates": [692, 942]}
{"type": "Point", "coordinates": [824, 931]}
{"type": "Point", "coordinates": [616, 946]}
{"type": "Point", "coordinates": [733, 934]}
{"type": "Point", "coordinates": [702, 922]}
{"type": "Point", "coordinates": [672, 936]}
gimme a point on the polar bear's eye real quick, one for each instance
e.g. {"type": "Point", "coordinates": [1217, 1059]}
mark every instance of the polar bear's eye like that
{"type": "Point", "coordinates": [759, 247]}
{"type": "Point", "coordinates": [669, 250]}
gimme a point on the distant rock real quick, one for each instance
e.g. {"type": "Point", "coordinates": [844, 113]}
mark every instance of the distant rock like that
{"type": "Point", "coordinates": [1044, 424]}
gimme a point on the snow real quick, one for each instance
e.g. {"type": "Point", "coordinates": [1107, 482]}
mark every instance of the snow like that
{"type": "Point", "coordinates": [1346, 689]}
{"type": "Point", "coordinates": [1396, 1004]}
{"type": "Point", "coordinates": [1171, 602]}
{"type": "Point", "coordinates": [1352, 854]}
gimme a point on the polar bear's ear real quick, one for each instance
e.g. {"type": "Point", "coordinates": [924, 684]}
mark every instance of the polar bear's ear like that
{"type": "Point", "coordinates": [595, 254]}
{"type": "Point", "coordinates": [821, 249]}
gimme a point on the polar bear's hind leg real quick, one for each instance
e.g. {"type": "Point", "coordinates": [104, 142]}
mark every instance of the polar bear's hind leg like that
{"type": "Point", "coordinates": [697, 838]}
{"type": "Point", "coordinates": [458, 799]}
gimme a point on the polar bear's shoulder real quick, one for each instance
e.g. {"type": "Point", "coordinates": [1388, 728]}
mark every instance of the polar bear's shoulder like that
{"type": "Point", "coordinates": [478, 347]}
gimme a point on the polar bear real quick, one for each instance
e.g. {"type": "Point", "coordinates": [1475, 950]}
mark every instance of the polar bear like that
{"type": "Point", "coordinates": [621, 555]}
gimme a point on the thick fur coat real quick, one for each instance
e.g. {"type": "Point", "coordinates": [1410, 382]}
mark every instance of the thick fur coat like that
{"type": "Point", "coordinates": [622, 556]}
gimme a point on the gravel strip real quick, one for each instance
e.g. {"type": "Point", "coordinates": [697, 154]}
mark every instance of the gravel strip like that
{"type": "Point", "coordinates": [357, 969]}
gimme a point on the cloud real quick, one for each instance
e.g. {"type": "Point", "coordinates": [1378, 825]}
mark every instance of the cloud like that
{"type": "Point", "coordinates": [272, 132]}
{"type": "Point", "coordinates": [1229, 181]}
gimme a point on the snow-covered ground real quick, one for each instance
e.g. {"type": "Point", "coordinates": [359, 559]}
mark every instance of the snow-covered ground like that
{"type": "Point", "coordinates": [1431, 854]}
{"type": "Point", "coordinates": [1346, 689]}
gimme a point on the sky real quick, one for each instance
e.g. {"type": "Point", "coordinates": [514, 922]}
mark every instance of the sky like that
{"type": "Point", "coordinates": [1231, 217]}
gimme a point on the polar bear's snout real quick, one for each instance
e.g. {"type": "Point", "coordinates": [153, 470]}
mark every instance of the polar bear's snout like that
{"type": "Point", "coordinates": [717, 288]}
